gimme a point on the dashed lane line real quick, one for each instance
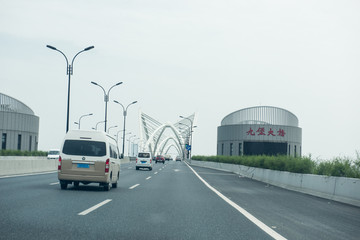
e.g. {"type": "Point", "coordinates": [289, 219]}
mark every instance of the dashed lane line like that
{"type": "Point", "coordinates": [83, 213]}
{"type": "Point", "coordinates": [132, 187]}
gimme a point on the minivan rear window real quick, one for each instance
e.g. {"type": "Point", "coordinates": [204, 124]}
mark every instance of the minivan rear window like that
{"type": "Point", "coordinates": [144, 155]}
{"type": "Point", "coordinates": [84, 148]}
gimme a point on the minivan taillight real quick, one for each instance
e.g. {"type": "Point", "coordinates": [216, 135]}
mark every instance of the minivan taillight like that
{"type": "Point", "coordinates": [59, 164]}
{"type": "Point", "coordinates": [136, 160]}
{"type": "Point", "coordinates": [107, 163]}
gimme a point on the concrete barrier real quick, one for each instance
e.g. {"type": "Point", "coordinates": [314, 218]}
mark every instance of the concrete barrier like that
{"type": "Point", "coordinates": [12, 165]}
{"type": "Point", "coordinates": [341, 189]}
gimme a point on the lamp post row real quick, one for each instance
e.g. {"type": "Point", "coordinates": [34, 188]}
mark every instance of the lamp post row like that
{"type": "Point", "coordinates": [69, 72]}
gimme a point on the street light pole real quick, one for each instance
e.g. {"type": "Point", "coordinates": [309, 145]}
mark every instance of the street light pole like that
{"type": "Point", "coordinates": [69, 72]}
{"type": "Point", "coordinates": [111, 127]}
{"type": "Point", "coordinates": [124, 114]}
{"type": "Point", "coordinates": [129, 144]}
{"type": "Point", "coordinates": [90, 114]}
{"type": "Point", "coordinates": [98, 124]}
{"type": "Point", "coordinates": [106, 98]}
{"type": "Point", "coordinates": [191, 127]}
{"type": "Point", "coordinates": [133, 146]}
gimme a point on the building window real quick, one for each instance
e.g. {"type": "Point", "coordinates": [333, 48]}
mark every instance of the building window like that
{"type": "Point", "coordinates": [19, 142]}
{"type": "Point", "coordinates": [222, 149]}
{"type": "Point", "coordinates": [289, 149]}
{"type": "Point", "coordinates": [240, 149]}
{"type": "Point", "coordinates": [295, 151]}
{"type": "Point", "coordinates": [30, 140]}
{"type": "Point", "coordinates": [3, 141]}
{"type": "Point", "coordinates": [231, 149]}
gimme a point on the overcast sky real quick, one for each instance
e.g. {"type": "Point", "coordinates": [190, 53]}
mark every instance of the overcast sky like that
{"type": "Point", "coordinates": [207, 57]}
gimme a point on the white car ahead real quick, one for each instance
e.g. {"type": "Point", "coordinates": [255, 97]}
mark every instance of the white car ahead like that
{"type": "Point", "coordinates": [144, 160]}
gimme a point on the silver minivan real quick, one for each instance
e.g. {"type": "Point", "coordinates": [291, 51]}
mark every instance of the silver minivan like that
{"type": "Point", "coordinates": [89, 157]}
{"type": "Point", "coordinates": [144, 160]}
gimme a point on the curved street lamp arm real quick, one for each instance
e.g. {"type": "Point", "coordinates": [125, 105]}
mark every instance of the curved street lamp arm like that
{"type": "Point", "coordinates": [114, 86]}
{"type": "Point", "coordinates": [120, 104]}
{"type": "Point", "coordinates": [99, 86]}
{"type": "Point", "coordinates": [130, 104]}
{"type": "Point", "coordinates": [67, 62]}
{"type": "Point", "coordinates": [72, 62]}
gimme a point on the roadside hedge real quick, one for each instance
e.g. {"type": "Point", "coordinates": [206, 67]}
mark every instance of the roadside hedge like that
{"type": "Point", "coordinates": [22, 153]}
{"type": "Point", "coordinates": [340, 167]}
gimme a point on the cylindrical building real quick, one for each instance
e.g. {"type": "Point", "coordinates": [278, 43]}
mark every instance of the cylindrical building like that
{"type": "Point", "coordinates": [259, 130]}
{"type": "Point", "coordinates": [19, 127]}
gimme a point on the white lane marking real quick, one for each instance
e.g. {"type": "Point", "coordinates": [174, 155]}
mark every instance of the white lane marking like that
{"type": "Point", "coordinates": [54, 183]}
{"type": "Point", "coordinates": [132, 187]}
{"type": "Point", "coordinates": [130, 168]}
{"type": "Point", "coordinates": [83, 213]}
{"type": "Point", "coordinates": [148, 178]}
{"type": "Point", "coordinates": [155, 172]}
{"type": "Point", "coordinates": [176, 170]}
{"type": "Point", "coordinates": [249, 216]}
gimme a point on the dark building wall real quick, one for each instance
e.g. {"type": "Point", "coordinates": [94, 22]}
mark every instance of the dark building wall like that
{"type": "Point", "coordinates": [245, 139]}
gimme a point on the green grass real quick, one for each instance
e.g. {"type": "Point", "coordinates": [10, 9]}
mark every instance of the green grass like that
{"type": "Point", "coordinates": [340, 167]}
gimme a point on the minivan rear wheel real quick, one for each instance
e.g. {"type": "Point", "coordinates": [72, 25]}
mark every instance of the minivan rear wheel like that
{"type": "Point", "coordinates": [106, 187]}
{"type": "Point", "coordinates": [63, 185]}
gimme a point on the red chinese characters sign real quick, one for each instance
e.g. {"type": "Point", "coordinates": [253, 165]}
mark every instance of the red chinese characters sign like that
{"type": "Point", "coordinates": [261, 131]}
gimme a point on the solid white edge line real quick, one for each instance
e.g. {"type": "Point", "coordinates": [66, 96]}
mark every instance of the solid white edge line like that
{"type": "Point", "coordinates": [83, 213]}
{"type": "Point", "coordinates": [248, 215]}
{"type": "Point", "coordinates": [27, 174]}
{"type": "Point", "coordinates": [132, 187]}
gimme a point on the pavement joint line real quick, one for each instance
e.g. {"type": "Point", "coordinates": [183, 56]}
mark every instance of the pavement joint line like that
{"type": "Point", "coordinates": [89, 210]}
{"type": "Point", "coordinates": [248, 215]}
{"type": "Point", "coordinates": [132, 187]}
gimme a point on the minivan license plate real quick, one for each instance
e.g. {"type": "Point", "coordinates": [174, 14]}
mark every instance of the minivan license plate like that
{"type": "Point", "coordinates": [81, 165]}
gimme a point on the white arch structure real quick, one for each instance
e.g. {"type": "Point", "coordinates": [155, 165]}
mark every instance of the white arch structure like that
{"type": "Point", "coordinates": [158, 138]}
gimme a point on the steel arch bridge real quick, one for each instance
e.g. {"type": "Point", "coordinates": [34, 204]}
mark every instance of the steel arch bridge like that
{"type": "Point", "coordinates": [159, 138]}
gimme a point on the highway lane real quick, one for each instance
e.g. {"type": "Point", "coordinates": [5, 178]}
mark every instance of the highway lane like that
{"type": "Point", "coordinates": [294, 215]}
{"type": "Point", "coordinates": [169, 202]}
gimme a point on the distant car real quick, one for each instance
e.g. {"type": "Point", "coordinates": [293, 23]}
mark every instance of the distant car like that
{"type": "Point", "coordinates": [178, 158]}
{"type": "Point", "coordinates": [168, 157]}
{"type": "Point", "coordinates": [160, 158]}
{"type": "Point", "coordinates": [53, 154]}
{"type": "Point", "coordinates": [144, 160]}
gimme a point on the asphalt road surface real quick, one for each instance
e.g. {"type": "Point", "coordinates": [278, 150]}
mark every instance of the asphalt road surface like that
{"type": "Point", "coordinates": [173, 201]}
